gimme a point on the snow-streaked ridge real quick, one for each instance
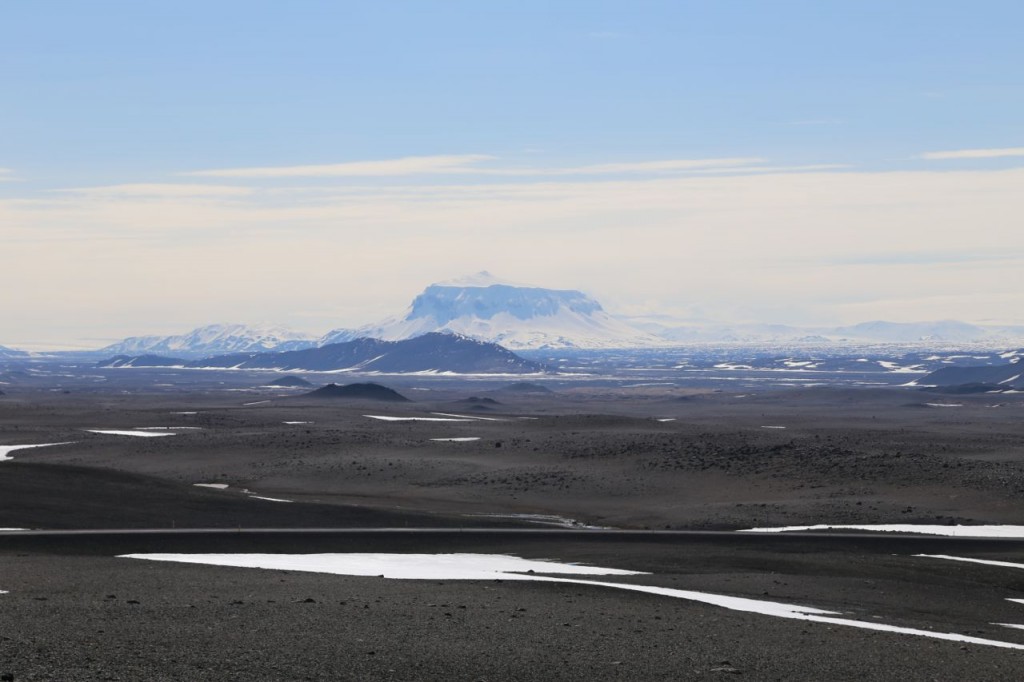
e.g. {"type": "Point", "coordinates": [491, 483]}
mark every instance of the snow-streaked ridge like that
{"type": "Point", "coordinates": [216, 339]}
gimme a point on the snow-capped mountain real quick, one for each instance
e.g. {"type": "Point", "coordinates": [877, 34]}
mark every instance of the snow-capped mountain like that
{"type": "Point", "coordinates": [511, 315]}
{"type": "Point", "coordinates": [214, 339]}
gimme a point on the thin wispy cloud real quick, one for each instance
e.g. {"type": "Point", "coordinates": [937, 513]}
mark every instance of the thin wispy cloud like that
{"type": "Point", "coordinates": [468, 164]}
{"type": "Point", "coordinates": [409, 165]}
{"type": "Point", "coordinates": [6, 174]}
{"type": "Point", "coordinates": [663, 166]}
{"type": "Point", "coordinates": [1004, 152]}
{"type": "Point", "coordinates": [160, 191]}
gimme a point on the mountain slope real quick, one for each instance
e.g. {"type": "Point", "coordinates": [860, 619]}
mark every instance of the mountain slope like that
{"type": "Point", "coordinates": [434, 352]}
{"type": "Point", "coordinates": [214, 339]}
{"type": "Point", "coordinates": [1008, 376]}
{"type": "Point", "coordinates": [514, 316]}
{"type": "Point", "coordinates": [6, 352]}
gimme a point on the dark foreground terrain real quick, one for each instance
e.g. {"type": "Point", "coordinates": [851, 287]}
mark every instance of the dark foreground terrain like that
{"type": "Point", "coordinates": [615, 457]}
{"type": "Point", "coordinates": [76, 612]}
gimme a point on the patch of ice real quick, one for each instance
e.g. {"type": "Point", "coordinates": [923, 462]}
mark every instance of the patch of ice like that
{"type": "Point", "coordinates": [1015, 626]}
{"type": "Point", "coordinates": [140, 434]}
{"type": "Point", "coordinates": [218, 486]}
{"type": "Point", "coordinates": [5, 450]}
{"type": "Point", "coordinates": [455, 440]}
{"type": "Point", "coordinates": [384, 418]}
{"type": "Point", "coordinates": [987, 562]}
{"type": "Point", "coordinates": [505, 567]}
{"type": "Point", "coordinates": [923, 529]}
{"type": "Point", "coordinates": [466, 416]}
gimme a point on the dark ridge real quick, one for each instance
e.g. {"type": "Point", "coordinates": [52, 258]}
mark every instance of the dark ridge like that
{"type": "Point", "coordinates": [1010, 375]}
{"type": "Point", "coordinates": [367, 391]}
{"type": "Point", "coordinates": [434, 352]}
{"type": "Point", "coordinates": [966, 389]}
{"type": "Point", "coordinates": [291, 382]}
{"type": "Point", "coordinates": [56, 496]}
{"type": "Point", "coordinates": [140, 361]}
{"type": "Point", "coordinates": [525, 387]}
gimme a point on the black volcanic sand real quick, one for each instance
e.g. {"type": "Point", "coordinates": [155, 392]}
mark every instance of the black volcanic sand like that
{"type": "Point", "coordinates": [844, 456]}
{"type": "Point", "coordinates": [75, 612]}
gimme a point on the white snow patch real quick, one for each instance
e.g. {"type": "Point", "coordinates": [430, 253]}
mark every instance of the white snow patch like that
{"type": "Point", "coordinates": [667, 419]}
{"type": "Point", "coordinates": [505, 567]}
{"type": "Point", "coordinates": [5, 450]}
{"type": "Point", "coordinates": [923, 529]}
{"type": "Point", "coordinates": [466, 416]}
{"type": "Point", "coordinates": [385, 418]}
{"type": "Point", "coordinates": [169, 428]}
{"type": "Point", "coordinates": [218, 486]}
{"type": "Point", "coordinates": [184, 413]}
{"type": "Point", "coordinates": [987, 562]}
{"type": "Point", "coordinates": [944, 404]}
{"type": "Point", "coordinates": [140, 434]}
{"type": "Point", "coordinates": [296, 422]}
{"type": "Point", "coordinates": [268, 499]}
{"type": "Point", "coordinates": [258, 402]}
{"type": "Point", "coordinates": [455, 440]}
{"type": "Point", "coordinates": [773, 427]}
{"type": "Point", "coordinates": [1015, 626]}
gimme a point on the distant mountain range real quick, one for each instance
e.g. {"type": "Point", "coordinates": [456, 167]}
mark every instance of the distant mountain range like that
{"type": "Point", "coordinates": [936, 332]}
{"type": "Point", "coordinates": [433, 353]}
{"type": "Point", "coordinates": [521, 317]}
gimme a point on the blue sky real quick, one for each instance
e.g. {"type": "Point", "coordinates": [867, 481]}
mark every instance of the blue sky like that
{"type": "Point", "coordinates": [561, 100]}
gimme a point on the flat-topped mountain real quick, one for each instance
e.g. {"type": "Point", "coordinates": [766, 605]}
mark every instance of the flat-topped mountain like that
{"type": "Point", "coordinates": [512, 315]}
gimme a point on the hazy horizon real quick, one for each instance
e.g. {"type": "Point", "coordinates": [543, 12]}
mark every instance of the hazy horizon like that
{"type": "Point", "coordinates": [316, 165]}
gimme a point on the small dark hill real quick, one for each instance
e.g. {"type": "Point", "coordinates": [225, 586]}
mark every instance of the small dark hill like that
{"type": "Point", "coordinates": [525, 387]}
{"type": "Point", "coordinates": [291, 382]}
{"type": "Point", "coordinates": [367, 391]}
{"type": "Point", "coordinates": [476, 400]}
